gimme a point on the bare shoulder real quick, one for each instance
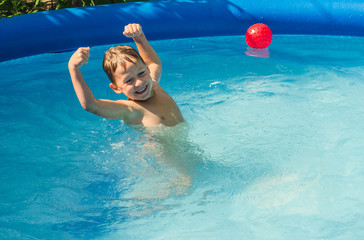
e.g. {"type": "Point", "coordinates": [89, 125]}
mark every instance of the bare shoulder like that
{"type": "Point", "coordinates": [134, 113]}
{"type": "Point", "coordinates": [157, 87]}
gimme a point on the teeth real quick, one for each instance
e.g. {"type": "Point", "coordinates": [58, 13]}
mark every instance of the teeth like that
{"type": "Point", "coordinates": [141, 90]}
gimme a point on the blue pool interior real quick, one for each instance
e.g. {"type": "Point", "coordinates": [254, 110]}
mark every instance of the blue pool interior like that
{"type": "Point", "coordinates": [273, 148]}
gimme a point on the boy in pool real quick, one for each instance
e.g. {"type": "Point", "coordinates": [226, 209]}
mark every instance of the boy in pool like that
{"type": "Point", "coordinates": [134, 74]}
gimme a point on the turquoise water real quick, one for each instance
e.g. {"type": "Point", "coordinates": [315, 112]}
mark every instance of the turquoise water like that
{"type": "Point", "coordinates": [273, 148]}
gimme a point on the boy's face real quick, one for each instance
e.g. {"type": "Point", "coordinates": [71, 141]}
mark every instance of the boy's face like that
{"type": "Point", "coordinates": [134, 81]}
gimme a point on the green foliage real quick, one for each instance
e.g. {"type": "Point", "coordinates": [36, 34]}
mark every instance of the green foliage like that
{"type": "Point", "coordinates": [17, 7]}
{"type": "Point", "coordinates": [9, 8]}
{"type": "Point", "coordinates": [85, 3]}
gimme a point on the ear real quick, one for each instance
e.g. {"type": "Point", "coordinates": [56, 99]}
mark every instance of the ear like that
{"type": "Point", "coordinates": [115, 88]}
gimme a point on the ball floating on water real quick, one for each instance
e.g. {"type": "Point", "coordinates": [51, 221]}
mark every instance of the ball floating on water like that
{"type": "Point", "coordinates": [258, 36]}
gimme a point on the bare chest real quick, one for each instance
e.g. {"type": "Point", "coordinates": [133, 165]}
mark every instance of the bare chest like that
{"type": "Point", "coordinates": [160, 110]}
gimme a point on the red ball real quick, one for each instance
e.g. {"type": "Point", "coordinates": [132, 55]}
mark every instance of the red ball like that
{"type": "Point", "coordinates": [258, 36]}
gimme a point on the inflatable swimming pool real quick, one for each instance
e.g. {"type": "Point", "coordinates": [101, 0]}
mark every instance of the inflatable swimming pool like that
{"type": "Point", "coordinates": [63, 30]}
{"type": "Point", "coordinates": [273, 152]}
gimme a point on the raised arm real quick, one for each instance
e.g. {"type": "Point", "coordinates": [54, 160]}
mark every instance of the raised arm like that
{"type": "Point", "coordinates": [83, 92]}
{"type": "Point", "coordinates": [101, 107]}
{"type": "Point", "coordinates": [146, 51]}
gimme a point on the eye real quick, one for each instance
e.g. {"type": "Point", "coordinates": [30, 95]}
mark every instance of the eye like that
{"type": "Point", "coordinates": [129, 80]}
{"type": "Point", "coordinates": [142, 73]}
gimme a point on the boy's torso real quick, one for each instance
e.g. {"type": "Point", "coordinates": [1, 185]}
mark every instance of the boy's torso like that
{"type": "Point", "coordinates": [159, 109]}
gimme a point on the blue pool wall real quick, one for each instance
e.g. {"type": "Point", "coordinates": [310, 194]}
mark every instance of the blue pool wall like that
{"type": "Point", "coordinates": [68, 29]}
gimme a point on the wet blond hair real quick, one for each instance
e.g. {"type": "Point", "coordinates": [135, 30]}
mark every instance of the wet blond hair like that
{"type": "Point", "coordinates": [119, 55]}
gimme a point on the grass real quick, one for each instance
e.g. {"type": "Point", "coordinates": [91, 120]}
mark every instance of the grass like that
{"type": "Point", "coordinates": [10, 8]}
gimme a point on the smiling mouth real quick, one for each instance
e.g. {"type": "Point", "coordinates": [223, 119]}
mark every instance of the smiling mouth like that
{"type": "Point", "coordinates": [143, 90]}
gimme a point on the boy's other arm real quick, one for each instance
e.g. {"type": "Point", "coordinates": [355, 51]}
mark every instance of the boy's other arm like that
{"type": "Point", "coordinates": [103, 108]}
{"type": "Point", "coordinates": [146, 51]}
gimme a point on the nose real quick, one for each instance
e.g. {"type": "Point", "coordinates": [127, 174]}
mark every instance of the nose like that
{"type": "Point", "coordinates": [138, 82]}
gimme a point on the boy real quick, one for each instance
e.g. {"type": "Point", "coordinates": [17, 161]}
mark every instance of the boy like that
{"type": "Point", "coordinates": [136, 76]}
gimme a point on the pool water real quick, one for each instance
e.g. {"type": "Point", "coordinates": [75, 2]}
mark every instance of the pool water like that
{"type": "Point", "coordinates": [273, 147]}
